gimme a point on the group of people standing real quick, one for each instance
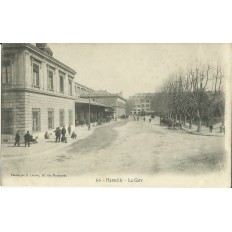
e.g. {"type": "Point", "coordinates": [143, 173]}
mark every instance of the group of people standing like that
{"type": "Point", "coordinates": [60, 134]}
{"type": "Point", "coordinates": [27, 139]}
{"type": "Point", "coordinates": [144, 118]}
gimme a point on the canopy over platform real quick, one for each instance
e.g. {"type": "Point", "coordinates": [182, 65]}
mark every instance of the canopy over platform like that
{"type": "Point", "coordinates": [93, 103]}
{"type": "Point", "coordinates": [86, 109]}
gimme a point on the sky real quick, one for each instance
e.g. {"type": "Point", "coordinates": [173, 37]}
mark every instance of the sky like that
{"type": "Point", "coordinates": [134, 68]}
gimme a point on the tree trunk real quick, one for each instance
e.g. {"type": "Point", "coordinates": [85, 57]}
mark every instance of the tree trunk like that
{"type": "Point", "coordinates": [180, 119]}
{"type": "Point", "coordinates": [185, 120]}
{"type": "Point", "coordinates": [198, 121]}
{"type": "Point", "coordinates": [175, 118]}
{"type": "Point", "coordinates": [190, 123]}
{"type": "Point", "coordinates": [199, 125]}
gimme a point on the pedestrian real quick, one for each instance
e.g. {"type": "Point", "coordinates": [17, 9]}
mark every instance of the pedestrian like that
{"type": "Point", "coordinates": [32, 140]}
{"type": "Point", "coordinates": [63, 132]}
{"type": "Point", "coordinates": [150, 119]}
{"type": "Point", "coordinates": [180, 125]}
{"type": "Point", "coordinates": [73, 136]}
{"type": "Point", "coordinates": [144, 119]}
{"type": "Point", "coordinates": [57, 134]}
{"type": "Point", "coordinates": [17, 139]}
{"type": "Point", "coordinates": [69, 129]}
{"type": "Point", "coordinates": [27, 138]}
{"type": "Point", "coordinates": [223, 129]}
{"type": "Point", "coordinates": [46, 136]}
{"type": "Point", "coordinates": [55, 131]}
{"type": "Point", "coordinates": [211, 128]}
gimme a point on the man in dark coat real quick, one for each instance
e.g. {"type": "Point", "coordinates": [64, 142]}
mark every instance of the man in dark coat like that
{"type": "Point", "coordinates": [57, 134]}
{"type": "Point", "coordinates": [17, 139]}
{"type": "Point", "coordinates": [69, 129]}
{"type": "Point", "coordinates": [63, 132]}
{"type": "Point", "coordinates": [27, 137]}
{"type": "Point", "coordinates": [211, 128]}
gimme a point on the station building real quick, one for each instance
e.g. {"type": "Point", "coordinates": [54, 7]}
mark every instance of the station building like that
{"type": "Point", "coordinates": [39, 93]}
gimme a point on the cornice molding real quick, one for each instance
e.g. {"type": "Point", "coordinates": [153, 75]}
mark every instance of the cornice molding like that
{"type": "Point", "coordinates": [38, 92]}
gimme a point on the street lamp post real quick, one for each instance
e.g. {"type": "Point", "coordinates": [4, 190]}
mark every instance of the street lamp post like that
{"type": "Point", "coordinates": [89, 114]}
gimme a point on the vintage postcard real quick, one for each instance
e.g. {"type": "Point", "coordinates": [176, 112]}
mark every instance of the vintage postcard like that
{"type": "Point", "coordinates": [116, 115]}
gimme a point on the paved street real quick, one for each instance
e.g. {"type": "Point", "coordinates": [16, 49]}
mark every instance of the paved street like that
{"type": "Point", "coordinates": [130, 147]}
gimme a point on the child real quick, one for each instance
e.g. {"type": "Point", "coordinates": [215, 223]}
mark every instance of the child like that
{"type": "Point", "coordinates": [73, 136]}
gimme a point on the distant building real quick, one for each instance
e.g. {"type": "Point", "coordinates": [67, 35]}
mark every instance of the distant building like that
{"type": "Point", "coordinates": [141, 102]}
{"type": "Point", "coordinates": [114, 101]}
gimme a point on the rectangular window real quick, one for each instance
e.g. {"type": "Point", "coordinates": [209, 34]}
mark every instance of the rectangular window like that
{"type": "Point", "coordinates": [36, 75]}
{"type": "Point", "coordinates": [50, 80]}
{"type": "Point", "coordinates": [61, 83]}
{"type": "Point", "coordinates": [7, 121]}
{"type": "Point", "coordinates": [70, 117]}
{"type": "Point", "coordinates": [61, 118]}
{"type": "Point", "coordinates": [70, 87]}
{"type": "Point", "coordinates": [76, 91]}
{"type": "Point", "coordinates": [6, 72]}
{"type": "Point", "coordinates": [35, 120]}
{"type": "Point", "coordinates": [50, 119]}
{"type": "Point", "coordinates": [147, 101]}
{"type": "Point", "coordinates": [147, 105]}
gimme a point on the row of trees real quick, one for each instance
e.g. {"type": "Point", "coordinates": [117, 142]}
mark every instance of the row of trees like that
{"type": "Point", "coordinates": [194, 95]}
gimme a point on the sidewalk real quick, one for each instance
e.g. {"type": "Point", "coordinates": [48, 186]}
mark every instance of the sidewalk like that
{"type": "Point", "coordinates": [204, 130]}
{"type": "Point", "coordinates": [47, 145]}
{"type": "Point", "coordinates": [8, 150]}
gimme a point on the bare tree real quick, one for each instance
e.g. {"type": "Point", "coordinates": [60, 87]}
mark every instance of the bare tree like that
{"type": "Point", "coordinates": [192, 95]}
{"type": "Point", "coordinates": [206, 86]}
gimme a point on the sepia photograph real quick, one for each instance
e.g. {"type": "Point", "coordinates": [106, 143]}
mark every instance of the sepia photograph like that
{"type": "Point", "coordinates": [116, 115]}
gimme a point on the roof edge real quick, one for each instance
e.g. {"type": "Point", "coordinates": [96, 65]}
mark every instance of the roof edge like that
{"type": "Point", "coordinates": [34, 48]}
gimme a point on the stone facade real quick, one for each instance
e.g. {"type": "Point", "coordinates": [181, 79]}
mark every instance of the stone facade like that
{"type": "Point", "coordinates": [37, 91]}
{"type": "Point", "coordinates": [40, 93]}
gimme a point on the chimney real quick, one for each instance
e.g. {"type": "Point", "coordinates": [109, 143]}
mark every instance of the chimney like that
{"type": "Point", "coordinates": [44, 47]}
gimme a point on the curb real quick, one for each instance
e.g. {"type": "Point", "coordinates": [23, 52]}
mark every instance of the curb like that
{"type": "Point", "coordinates": [198, 133]}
